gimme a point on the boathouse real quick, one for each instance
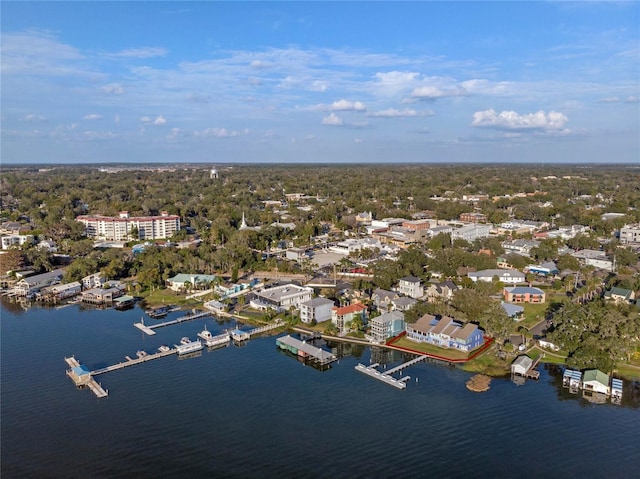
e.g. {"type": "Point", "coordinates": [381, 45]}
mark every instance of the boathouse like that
{"type": "Point", "coordinates": [596, 381]}
{"type": "Point", "coordinates": [616, 389]}
{"type": "Point", "coordinates": [80, 375]}
{"type": "Point", "coordinates": [571, 379]}
{"type": "Point", "coordinates": [521, 365]}
{"type": "Point", "coordinates": [304, 350]}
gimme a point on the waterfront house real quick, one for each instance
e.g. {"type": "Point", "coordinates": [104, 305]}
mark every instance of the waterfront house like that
{"type": "Point", "coordinates": [316, 309]}
{"type": "Point", "coordinates": [100, 295]}
{"type": "Point", "coordinates": [595, 381]}
{"type": "Point", "coordinates": [523, 294]}
{"type": "Point", "coordinates": [281, 297]}
{"type": "Point", "coordinates": [94, 280]}
{"type": "Point", "coordinates": [521, 365]}
{"type": "Point", "coordinates": [342, 317]}
{"type": "Point", "coordinates": [386, 326]}
{"type": "Point", "coordinates": [508, 276]}
{"type": "Point", "coordinates": [32, 284]}
{"type": "Point", "coordinates": [215, 306]}
{"type": "Point", "coordinates": [445, 332]}
{"type": "Point", "coordinates": [183, 282]}
{"type": "Point", "coordinates": [67, 290]}
{"type": "Point", "coordinates": [411, 286]}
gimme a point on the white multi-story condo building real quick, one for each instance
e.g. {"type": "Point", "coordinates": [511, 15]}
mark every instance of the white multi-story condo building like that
{"type": "Point", "coordinates": [630, 234]}
{"type": "Point", "coordinates": [119, 229]}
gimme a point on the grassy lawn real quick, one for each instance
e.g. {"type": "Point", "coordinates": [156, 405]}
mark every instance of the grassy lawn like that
{"type": "Point", "coordinates": [163, 296]}
{"type": "Point", "coordinates": [489, 364]}
{"type": "Point", "coordinates": [430, 349]}
{"type": "Point", "coordinates": [628, 371]}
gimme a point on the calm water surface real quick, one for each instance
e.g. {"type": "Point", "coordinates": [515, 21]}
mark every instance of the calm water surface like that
{"type": "Point", "coordinates": [255, 412]}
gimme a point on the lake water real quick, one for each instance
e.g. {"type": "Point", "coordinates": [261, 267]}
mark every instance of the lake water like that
{"type": "Point", "coordinates": [255, 412]}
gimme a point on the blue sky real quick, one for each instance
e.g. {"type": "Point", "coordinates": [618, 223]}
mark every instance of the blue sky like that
{"type": "Point", "coordinates": [220, 82]}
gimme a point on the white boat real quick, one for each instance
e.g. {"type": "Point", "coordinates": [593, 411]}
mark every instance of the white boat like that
{"type": "Point", "coordinates": [187, 346]}
{"type": "Point", "coordinates": [210, 340]}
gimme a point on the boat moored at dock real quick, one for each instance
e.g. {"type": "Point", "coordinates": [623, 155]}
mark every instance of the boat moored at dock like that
{"type": "Point", "coordinates": [187, 346]}
{"type": "Point", "coordinates": [210, 340]}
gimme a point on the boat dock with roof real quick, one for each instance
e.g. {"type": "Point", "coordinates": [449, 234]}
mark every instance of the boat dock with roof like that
{"type": "Point", "coordinates": [81, 377]}
{"type": "Point", "coordinates": [305, 350]}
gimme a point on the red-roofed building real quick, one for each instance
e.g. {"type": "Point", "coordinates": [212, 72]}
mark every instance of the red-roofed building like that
{"type": "Point", "coordinates": [343, 316]}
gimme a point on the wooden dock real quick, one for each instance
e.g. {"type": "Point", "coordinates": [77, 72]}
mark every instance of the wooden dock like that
{"type": "Point", "coordinates": [134, 361]}
{"type": "Point", "coordinates": [149, 329]}
{"type": "Point", "coordinates": [262, 329]}
{"type": "Point", "coordinates": [85, 378]}
{"type": "Point", "coordinates": [386, 376]}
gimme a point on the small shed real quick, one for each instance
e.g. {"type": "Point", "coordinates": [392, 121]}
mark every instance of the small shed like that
{"type": "Point", "coordinates": [521, 365]}
{"type": "Point", "coordinates": [596, 381]}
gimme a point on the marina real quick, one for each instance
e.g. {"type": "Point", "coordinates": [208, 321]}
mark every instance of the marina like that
{"type": "Point", "coordinates": [82, 377]}
{"type": "Point", "coordinates": [187, 346]}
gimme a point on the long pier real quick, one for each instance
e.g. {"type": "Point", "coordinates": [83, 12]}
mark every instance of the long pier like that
{"type": "Point", "coordinates": [133, 362]}
{"type": "Point", "coordinates": [266, 328]}
{"type": "Point", "coordinates": [149, 329]}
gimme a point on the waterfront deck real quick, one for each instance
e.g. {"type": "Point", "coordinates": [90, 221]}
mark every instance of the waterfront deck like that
{"type": "Point", "coordinates": [149, 328]}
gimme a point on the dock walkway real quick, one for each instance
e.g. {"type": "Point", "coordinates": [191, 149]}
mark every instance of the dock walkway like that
{"type": "Point", "coordinates": [386, 376]}
{"type": "Point", "coordinates": [133, 362]}
{"type": "Point", "coordinates": [149, 329]}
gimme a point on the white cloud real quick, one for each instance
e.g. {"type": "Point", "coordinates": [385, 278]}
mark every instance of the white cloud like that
{"type": "Point", "coordinates": [93, 116]}
{"type": "Point", "coordinates": [259, 64]}
{"type": "Point", "coordinates": [358, 140]}
{"type": "Point", "coordinates": [632, 99]}
{"type": "Point", "coordinates": [116, 119]}
{"type": "Point", "coordinates": [33, 118]}
{"type": "Point", "coordinates": [159, 120]}
{"type": "Point", "coordinates": [113, 89]}
{"type": "Point", "coordinates": [318, 85]}
{"type": "Point", "coordinates": [510, 120]}
{"type": "Point", "coordinates": [174, 135]}
{"type": "Point", "coordinates": [332, 120]}
{"type": "Point", "coordinates": [394, 113]}
{"type": "Point", "coordinates": [486, 87]}
{"type": "Point", "coordinates": [216, 133]}
{"type": "Point", "coordinates": [98, 135]}
{"type": "Point", "coordinates": [144, 52]}
{"type": "Point", "coordinates": [394, 82]}
{"type": "Point", "coordinates": [431, 92]}
{"type": "Point", "coordinates": [347, 105]}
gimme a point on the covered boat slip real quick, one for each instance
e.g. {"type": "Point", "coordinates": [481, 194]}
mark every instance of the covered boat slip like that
{"type": "Point", "coordinates": [302, 349]}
